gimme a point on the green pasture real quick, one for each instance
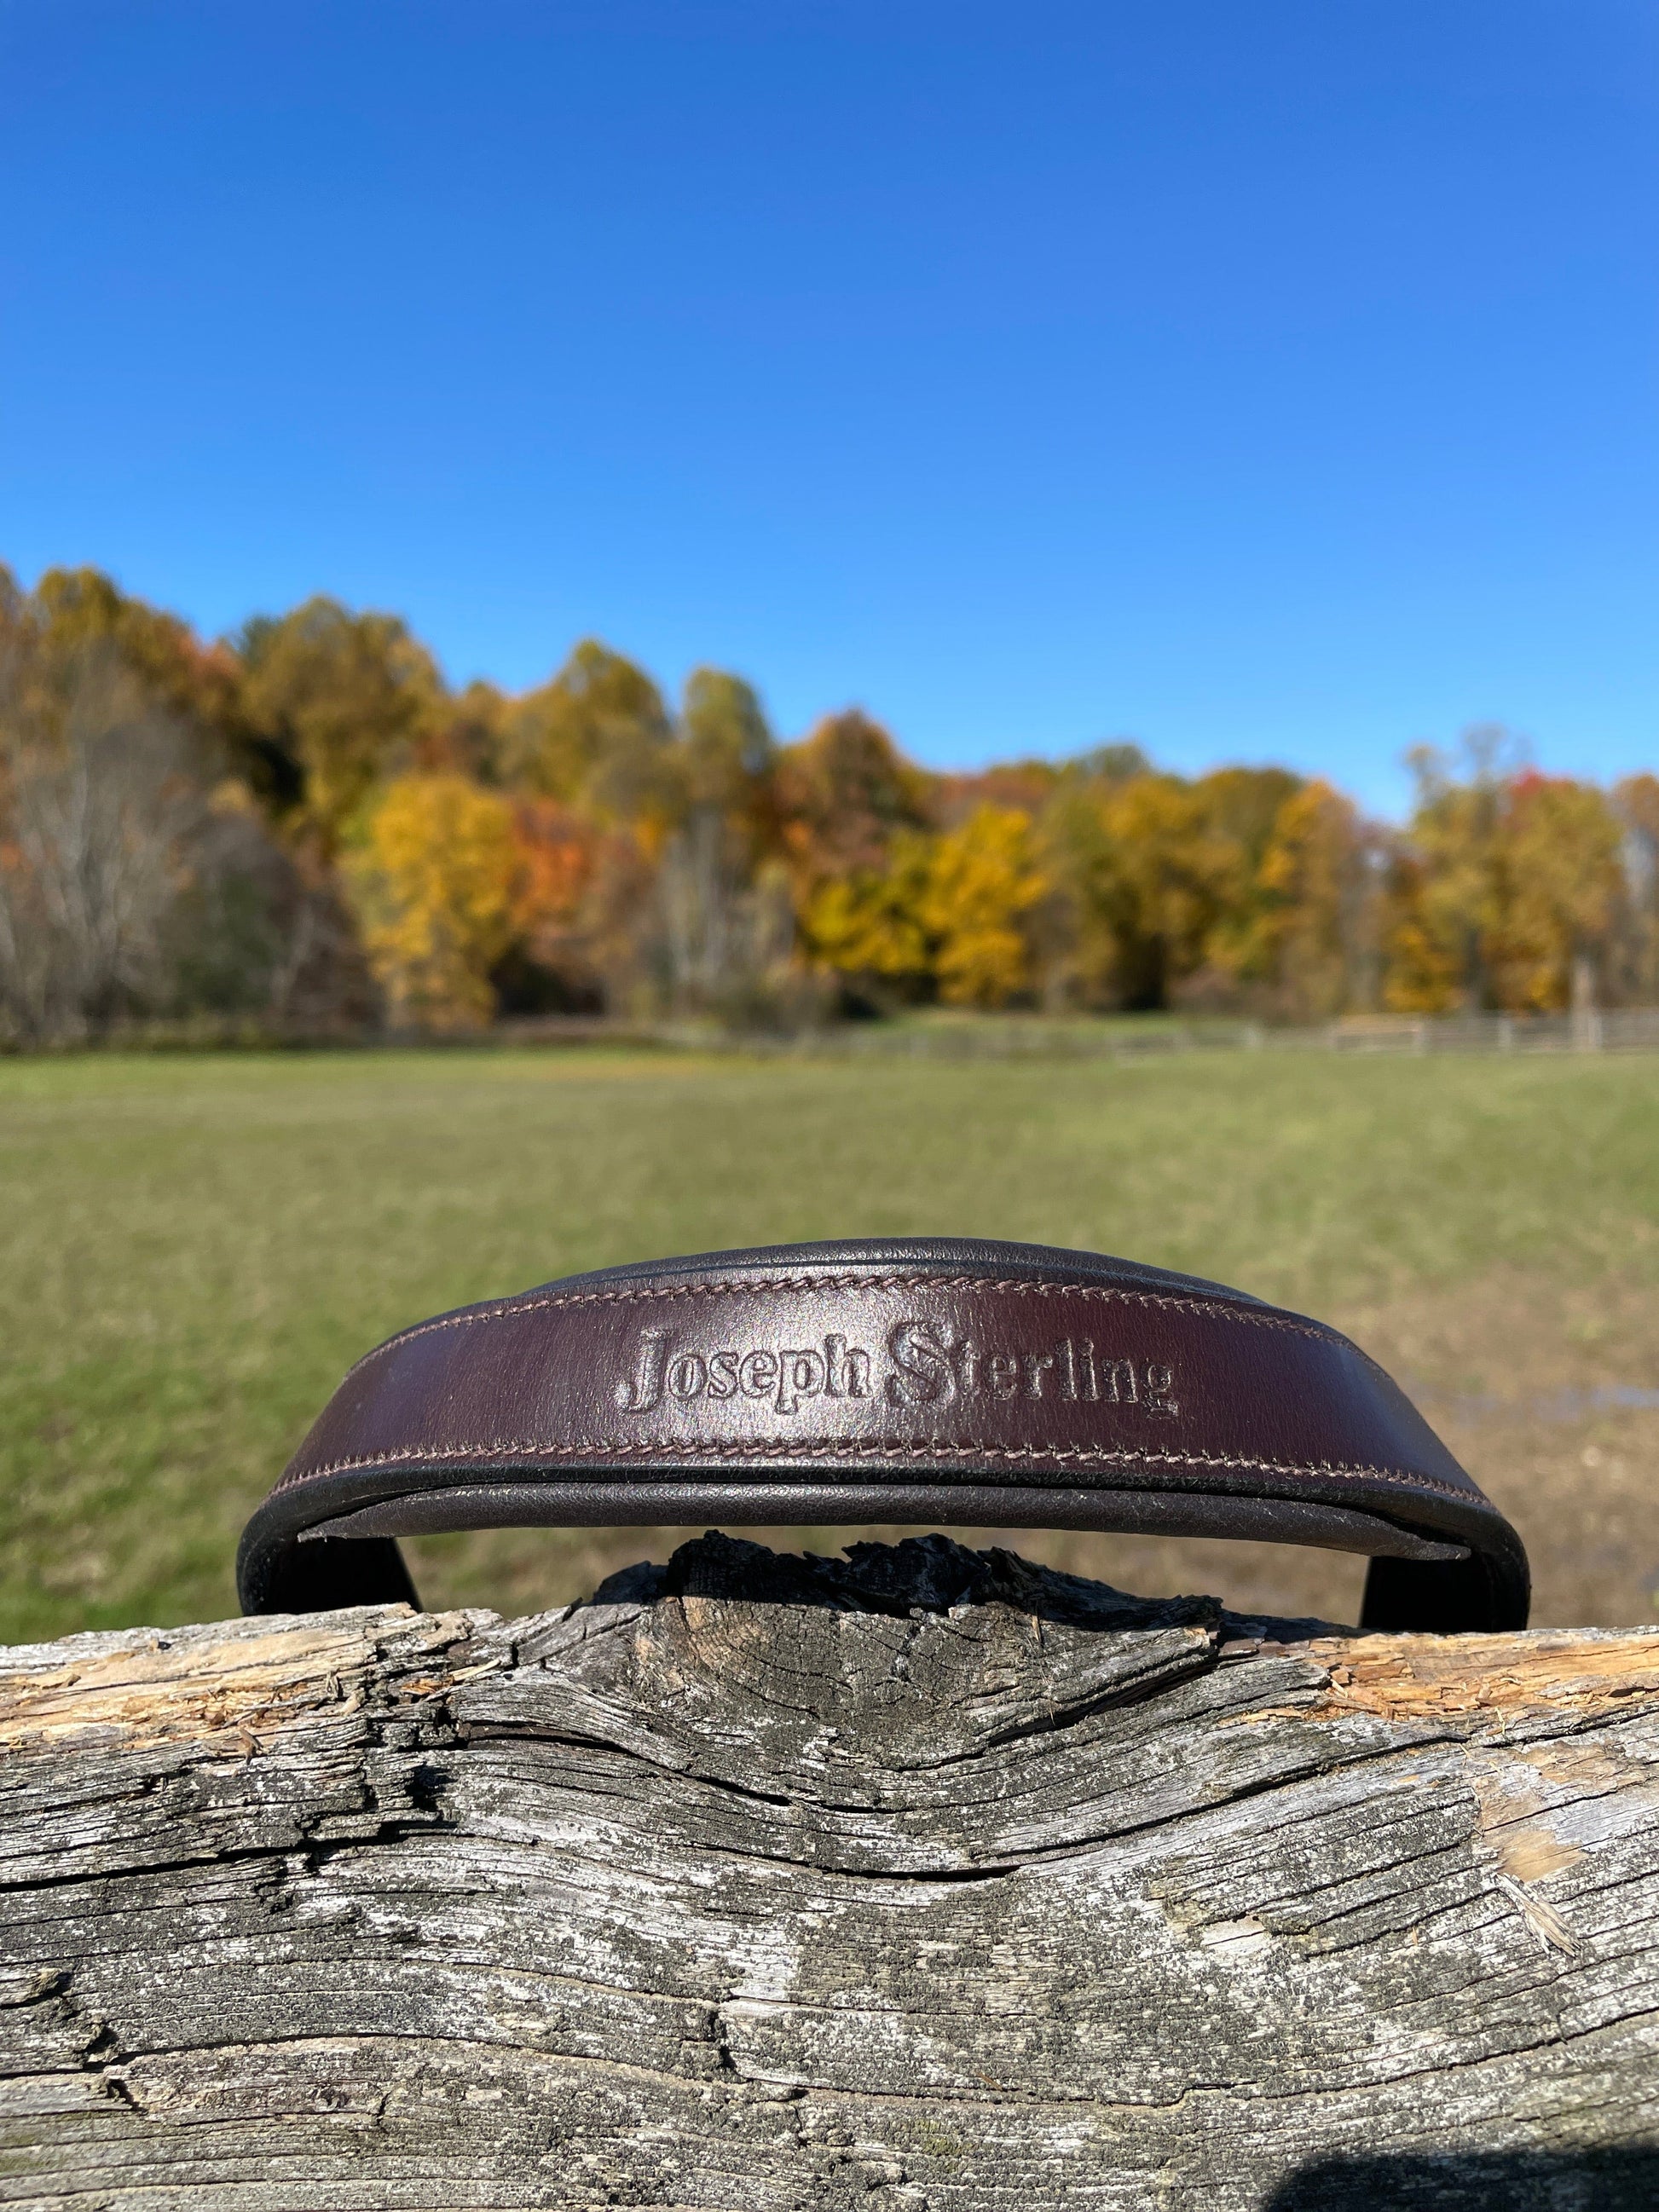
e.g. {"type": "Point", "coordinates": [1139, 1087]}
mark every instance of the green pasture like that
{"type": "Point", "coordinates": [195, 1248]}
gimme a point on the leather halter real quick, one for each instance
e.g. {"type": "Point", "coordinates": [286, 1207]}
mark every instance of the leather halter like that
{"type": "Point", "coordinates": [934, 1380]}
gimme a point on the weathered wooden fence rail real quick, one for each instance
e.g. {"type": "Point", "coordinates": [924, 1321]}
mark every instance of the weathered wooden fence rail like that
{"type": "Point", "coordinates": [1023, 1037]}
{"type": "Point", "coordinates": [1017, 1036]}
{"type": "Point", "coordinates": [933, 1881]}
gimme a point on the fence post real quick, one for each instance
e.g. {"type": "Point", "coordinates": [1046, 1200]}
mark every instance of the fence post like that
{"type": "Point", "coordinates": [928, 1880]}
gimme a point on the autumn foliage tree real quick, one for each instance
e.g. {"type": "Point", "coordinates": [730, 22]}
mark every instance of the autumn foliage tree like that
{"type": "Point", "coordinates": [1510, 889]}
{"type": "Point", "coordinates": [1150, 879]}
{"type": "Point", "coordinates": [138, 875]}
{"type": "Point", "coordinates": [1636, 944]}
{"type": "Point", "coordinates": [853, 817]}
{"type": "Point", "coordinates": [982, 883]}
{"type": "Point", "coordinates": [327, 705]}
{"type": "Point", "coordinates": [1317, 932]}
{"type": "Point", "coordinates": [306, 826]}
{"type": "Point", "coordinates": [597, 734]}
{"type": "Point", "coordinates": [435, 874]}
{"type": "Point", "coordinates": [1563, 881]}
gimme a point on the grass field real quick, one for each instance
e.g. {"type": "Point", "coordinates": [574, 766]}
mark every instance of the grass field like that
{"type": "Point", "coordinates": [196, 1248]}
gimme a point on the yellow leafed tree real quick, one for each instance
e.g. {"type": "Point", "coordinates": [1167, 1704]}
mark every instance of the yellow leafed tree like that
{"type": "Point", "coordinates": [1561, 841]}
{"type": "Point", "coordinates": [868, 926]}
{"type": "Point", "coordinates": [1420, 973]}
{"type": "Point", "coordinates": [1446, 894]}
{"type": "Point", "coordinates": [1149, 877]}
{"type": "Point", "coordinates": [329, 705]}
{"type": "Point", "coordinates": [1507, 891]}
{"type": "Point", "coordinates": [1314, 872]}
{"type": "Point", "coordinates": [984, 880]}
{"type": "Point", "coordinates": [433, 880]}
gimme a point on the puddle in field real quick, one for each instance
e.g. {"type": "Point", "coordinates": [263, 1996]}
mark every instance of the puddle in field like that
{"type": "Point", "coordinates": [1537, 1386]}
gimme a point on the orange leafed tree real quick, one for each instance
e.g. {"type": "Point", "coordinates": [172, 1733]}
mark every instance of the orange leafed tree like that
{"type": "Point", "coordinates": [844, 794]}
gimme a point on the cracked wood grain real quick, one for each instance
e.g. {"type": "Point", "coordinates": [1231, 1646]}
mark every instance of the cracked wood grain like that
{"type": "Point", "coordinates": [926, 1881]}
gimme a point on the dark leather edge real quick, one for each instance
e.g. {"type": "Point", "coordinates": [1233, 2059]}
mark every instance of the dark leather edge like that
{"type": "Point", "coordinates": [275, 1574]}
{"type": "Point", "coordinates": [282, 1568]}
{"type": "Point", "coordinates": [991, 1506]}
{"type": "Point", "coordinates": [1489, 1591]}
{"type": "Point", "coordinates": [939, 1255]}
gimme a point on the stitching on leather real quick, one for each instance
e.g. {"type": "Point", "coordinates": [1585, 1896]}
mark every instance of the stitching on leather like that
{"type": "Point", "coordinates": [831, 1448]}
{"type": "Point", "coordinates": [1105, 1291]}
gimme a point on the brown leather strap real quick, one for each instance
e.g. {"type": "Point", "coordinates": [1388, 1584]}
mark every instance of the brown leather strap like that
{"type": "Point", "coordinates": [931, 1381]}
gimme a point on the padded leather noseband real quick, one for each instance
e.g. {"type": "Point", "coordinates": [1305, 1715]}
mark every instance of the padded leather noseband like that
{"type": "Point", "coordinates": [932, 1381]}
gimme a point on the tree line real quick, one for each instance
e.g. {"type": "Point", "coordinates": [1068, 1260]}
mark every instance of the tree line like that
{"type": "Point", "coordinates": [305, 828]}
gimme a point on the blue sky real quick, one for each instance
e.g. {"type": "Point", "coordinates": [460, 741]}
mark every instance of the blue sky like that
{"type": "Point", "coordinates": [1275, 380]}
